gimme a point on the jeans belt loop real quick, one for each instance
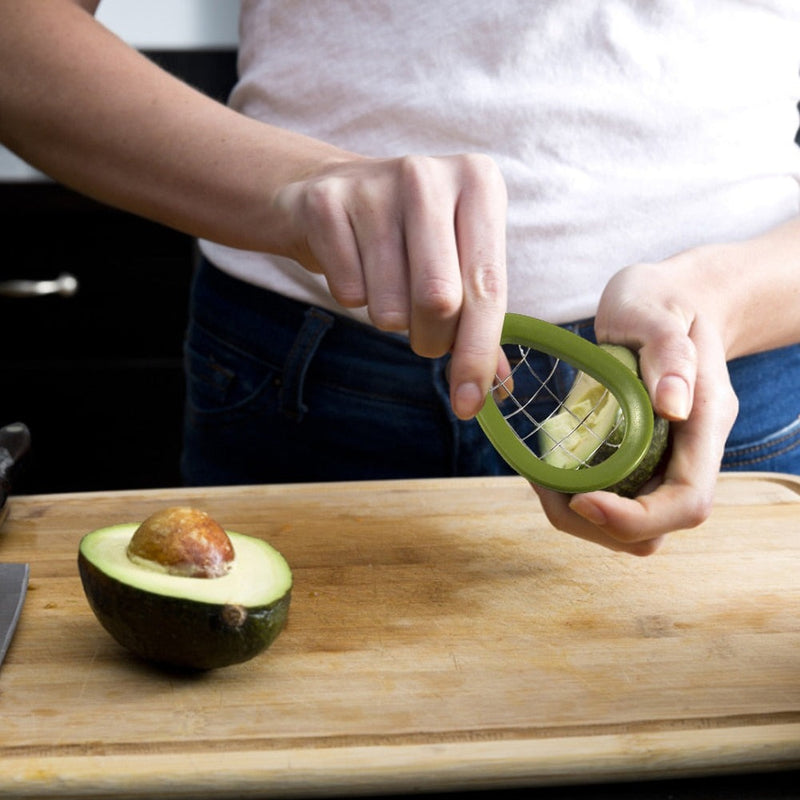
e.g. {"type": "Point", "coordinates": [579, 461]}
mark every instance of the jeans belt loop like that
{"type": "Point", "coordinates": [316, 324]}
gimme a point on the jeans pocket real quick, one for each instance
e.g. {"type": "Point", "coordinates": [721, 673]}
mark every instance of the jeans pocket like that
{"type": "Point", "coordinates": [224, 381]}
{"type": "Point", "coordinates": [779, 451]}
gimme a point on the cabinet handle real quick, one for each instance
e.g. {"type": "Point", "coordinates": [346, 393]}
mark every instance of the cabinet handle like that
{"type": "Point", "coordinates": [65, 284]}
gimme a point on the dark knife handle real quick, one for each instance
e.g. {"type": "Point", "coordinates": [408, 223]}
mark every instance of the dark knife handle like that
{"type": "Point", "coordinates": [15, 441]}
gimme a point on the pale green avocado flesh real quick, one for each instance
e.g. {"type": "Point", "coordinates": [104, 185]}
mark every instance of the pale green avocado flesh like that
{"type": "Point", "coordinates": [588, 416]}
{"type": "Point", "coordinates": [590, 426]}
{"type": "Point", "coordinates": [188, 622]}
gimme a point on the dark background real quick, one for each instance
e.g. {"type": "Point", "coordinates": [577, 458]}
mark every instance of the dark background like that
{"type": "Point", "coordinates": [97, 377]}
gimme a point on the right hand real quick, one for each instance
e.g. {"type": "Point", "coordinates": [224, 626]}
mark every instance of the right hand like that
{"type": "Point", "coordinates": [419, 241]}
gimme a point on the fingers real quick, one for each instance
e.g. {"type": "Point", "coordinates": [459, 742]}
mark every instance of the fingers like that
{"type": "Point", "coordinates": [322, 238]}
{"type": "Point", "coordinates": [454, 215]}
{"type": "Point", "coordinates": [480, 230]}
{"type": "Point", "coordinates": [560, 512]}
{"type": "Point", "coordinates": [430, 195]}
{"type": "Point", "coordinates": [421, 243]}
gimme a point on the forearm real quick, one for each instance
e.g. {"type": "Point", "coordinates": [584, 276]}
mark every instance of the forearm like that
{"type": "Point", "coordinates": [749, 291]}
{"type": "Point", "coordinates": [761, 281]}
{"type": "Point", "coordinates": [86, 109]}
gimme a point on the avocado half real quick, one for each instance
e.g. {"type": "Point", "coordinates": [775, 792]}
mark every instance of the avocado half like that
{"type": "Point", "coordinates": [185, 621]}
{"type": "Point", "coordinates": [590, 427]}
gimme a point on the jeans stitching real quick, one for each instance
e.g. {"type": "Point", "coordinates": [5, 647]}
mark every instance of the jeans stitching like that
{"type": "Point", "coordinates": [738, 456]}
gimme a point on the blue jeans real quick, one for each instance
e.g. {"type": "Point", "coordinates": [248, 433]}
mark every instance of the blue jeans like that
{"type": "Point", "coordinates": [766, 436]}
{"type": "Point", "coordinates": [278, 391]}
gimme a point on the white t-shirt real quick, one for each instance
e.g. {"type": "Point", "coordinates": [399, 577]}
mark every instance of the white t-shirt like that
{"type": "Point", "coordinates": [626, 130]}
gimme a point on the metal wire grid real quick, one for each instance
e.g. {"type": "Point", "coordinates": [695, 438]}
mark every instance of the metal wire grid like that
{"type": "Point", "coordinates": [527, 412]}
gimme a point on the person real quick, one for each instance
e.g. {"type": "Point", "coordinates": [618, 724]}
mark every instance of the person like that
{"type": "Point", "coordinates": [388, 178]}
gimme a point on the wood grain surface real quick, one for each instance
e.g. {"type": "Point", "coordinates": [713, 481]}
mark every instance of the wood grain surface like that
{"type": "Point", "coordinates": [442, 635]}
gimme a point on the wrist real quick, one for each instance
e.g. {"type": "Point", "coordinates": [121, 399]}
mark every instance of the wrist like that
{"type": "Point", "coordinates": [713, 271]}
{"type": "Point", "coordinates": [757, 282]}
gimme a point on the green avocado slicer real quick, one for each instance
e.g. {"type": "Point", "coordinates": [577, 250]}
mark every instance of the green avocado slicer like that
{"type": "Point", "coordinates": [590, 435]}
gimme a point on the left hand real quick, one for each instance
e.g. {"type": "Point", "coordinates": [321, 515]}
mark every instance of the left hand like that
{"type": "Point", "coordinates": [676, 323]}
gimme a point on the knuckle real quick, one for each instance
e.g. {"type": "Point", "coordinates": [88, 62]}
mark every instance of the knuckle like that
{"type": "Point", "coordinates": [321, 204]}
{"type": "Point", "coordinates": [636, 542]}
{"type": "Point", "coordinates": [643, 549]}
{"type": "Point", "coordinates": [349, 294]}
{"type": "Point", "coordinates": [473, 352]}
{"type": "Point", "coordinates": [475, 171]}
{"type": "Point", "coordinates": [730, 404]}
{"type": "Point", "coordinates": [480, 173]}
{"type": "Point", "coordinates": [697, 506]}
{"type": "Point", "coordinates": [482, 167]}
{"type": "Point", "coordinates": [484, 282]}
{"type": "Point", "coordinates": [438, 296]}
{"type": "Point", "coordinates": [673, 346]}
{"type": "Point", "coordinates": [415, 172]}
{"type": "Point", "coordinates": [698, 515]}
{"type": "Point", "coordinates": [389, 319]}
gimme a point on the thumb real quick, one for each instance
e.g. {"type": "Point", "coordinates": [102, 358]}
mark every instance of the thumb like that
{"type": "Point", "coordinates": [668, 364]}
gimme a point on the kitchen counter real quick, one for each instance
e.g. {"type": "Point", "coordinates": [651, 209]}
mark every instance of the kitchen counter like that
{"type": "Point", "coordinates": [441, 637]}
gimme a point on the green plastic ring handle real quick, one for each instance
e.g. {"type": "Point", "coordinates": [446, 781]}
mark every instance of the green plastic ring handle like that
{"type": "Point", "coordinates": [624, 384]}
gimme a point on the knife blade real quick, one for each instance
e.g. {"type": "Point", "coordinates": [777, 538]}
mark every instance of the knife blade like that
{"type": "Point", "coordinates": [13, 586]}
{"type": "Point", "coordinates": [15, 442]}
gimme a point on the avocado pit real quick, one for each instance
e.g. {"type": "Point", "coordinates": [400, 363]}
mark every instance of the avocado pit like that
{"type": "Point", "coordinates": [183, 541]}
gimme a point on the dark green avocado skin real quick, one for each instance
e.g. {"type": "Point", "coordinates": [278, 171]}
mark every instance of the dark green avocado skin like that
{"type": "Point", "coordinates": [180, 633]}
{"type": "Point", "coordinates": [631, 484]}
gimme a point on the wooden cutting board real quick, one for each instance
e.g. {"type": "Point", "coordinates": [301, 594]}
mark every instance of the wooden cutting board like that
{"type": "Point", "coordinates": [441, 636]}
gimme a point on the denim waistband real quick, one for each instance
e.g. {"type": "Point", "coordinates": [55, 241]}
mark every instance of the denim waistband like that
{"type": "Point", "coordinates": [217, 291]}
{"type": "Point", "coordinates": [250, 305]}
{"type": "Point", "coordinates": [270, 327]}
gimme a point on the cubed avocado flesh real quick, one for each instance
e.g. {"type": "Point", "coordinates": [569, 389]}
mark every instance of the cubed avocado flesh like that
{"type": "Point", "coordinates": [185, 621]}
{"type": "Point", "coordinates": [588, 415]}
{"type": "Point", "coordinates": [590, 425]}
